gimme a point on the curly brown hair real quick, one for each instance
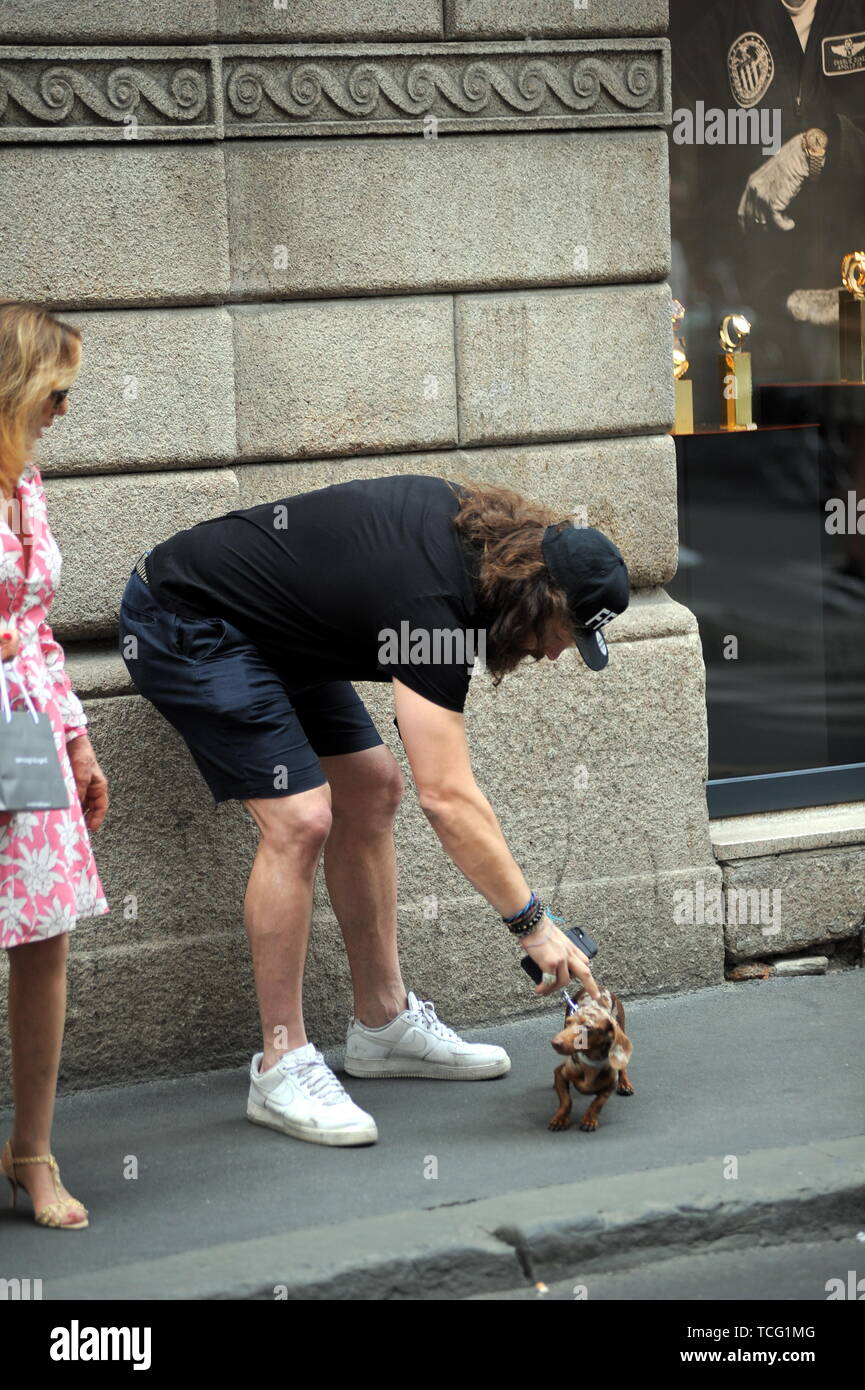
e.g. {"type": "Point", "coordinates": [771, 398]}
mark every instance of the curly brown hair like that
{"type": "Point", "coordinates": [517, 595]}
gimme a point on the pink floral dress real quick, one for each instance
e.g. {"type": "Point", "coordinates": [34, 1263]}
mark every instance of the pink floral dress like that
{"type": "Point", "coordinates": [48, 875]}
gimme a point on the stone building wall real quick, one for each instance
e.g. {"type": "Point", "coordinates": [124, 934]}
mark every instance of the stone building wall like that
{"type": "Point", "coordinates": [425, 238]}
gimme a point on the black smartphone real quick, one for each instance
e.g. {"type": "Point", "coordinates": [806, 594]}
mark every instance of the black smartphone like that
{"type": "Point", "coordinates": [580, 938]}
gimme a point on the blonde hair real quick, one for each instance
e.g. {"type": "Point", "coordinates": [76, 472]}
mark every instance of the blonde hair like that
{"type": "Point", "coordinates": [38, 354]}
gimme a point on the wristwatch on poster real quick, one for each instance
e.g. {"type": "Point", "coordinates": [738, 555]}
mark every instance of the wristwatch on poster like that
{"type": "Point", "coordinates": [815, 143]}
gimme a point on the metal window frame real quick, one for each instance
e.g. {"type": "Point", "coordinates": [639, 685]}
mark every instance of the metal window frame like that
{"type": "Point", "coordinates": [785, 791]}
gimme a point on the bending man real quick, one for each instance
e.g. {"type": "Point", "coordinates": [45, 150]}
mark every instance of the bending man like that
{"type": "Point", "coordinates": [246, 630]}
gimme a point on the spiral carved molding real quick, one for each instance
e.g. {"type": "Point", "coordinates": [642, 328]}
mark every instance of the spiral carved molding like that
{"type": "Point", "coordinates": [210, 93]}
{"type": "Point", "coordinates": [305, 91]}
{"type": "Point", "coordinates": [182, 98]}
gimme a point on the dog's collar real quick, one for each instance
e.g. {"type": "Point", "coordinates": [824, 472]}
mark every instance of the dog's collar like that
{"type": "Point", "coordinates": [588, 1062]}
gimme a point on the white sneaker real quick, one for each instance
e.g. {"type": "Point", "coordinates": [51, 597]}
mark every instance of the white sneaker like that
{"type": "Point", "coordinates": [417, 1043]}
{"type": "Point", "coordinates": [301, 1096]}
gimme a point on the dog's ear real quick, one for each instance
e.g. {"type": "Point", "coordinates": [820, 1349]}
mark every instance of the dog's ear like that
{"type": "Point", "coordinates": [622, 1047]}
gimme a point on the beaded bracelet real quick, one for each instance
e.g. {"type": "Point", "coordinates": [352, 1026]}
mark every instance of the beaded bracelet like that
{"type": "Point", "coordinates": [529, 928]}
{"type": "Point", "coordinates": [519, 920]}
{"type": "Point", "coordinates": [523, 910]}
{"type": "Point", "coordinates": [528, 919]}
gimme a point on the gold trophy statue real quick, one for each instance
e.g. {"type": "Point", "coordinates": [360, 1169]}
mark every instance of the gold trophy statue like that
{"type": "Point", "coordinates": [851, 317]}
{"type": "Point", "coordinates": [684, 389]}
{"type": "Point", "coordinates": [737, 411]}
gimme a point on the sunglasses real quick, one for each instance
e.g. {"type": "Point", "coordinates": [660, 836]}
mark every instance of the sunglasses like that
{"type": "Point", "coordinates": [58, 397]}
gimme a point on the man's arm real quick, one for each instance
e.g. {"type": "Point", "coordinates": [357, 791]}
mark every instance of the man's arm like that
{"type": "Point", "coordinates": [435, 743]}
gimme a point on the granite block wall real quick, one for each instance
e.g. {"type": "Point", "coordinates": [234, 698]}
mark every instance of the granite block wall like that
{"type": "Point", "coordinates": [425, 238]}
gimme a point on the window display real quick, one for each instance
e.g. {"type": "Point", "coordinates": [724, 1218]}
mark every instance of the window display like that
{"type": "Point", "coordinates": [768, 221]}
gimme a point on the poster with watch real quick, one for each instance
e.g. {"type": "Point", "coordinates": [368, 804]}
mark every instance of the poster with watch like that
{"type": "Point", "coordinates": [768, 177]}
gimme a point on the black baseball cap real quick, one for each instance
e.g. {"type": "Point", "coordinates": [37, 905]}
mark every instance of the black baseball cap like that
{"type": "Point", "coordinates": [590, 568]}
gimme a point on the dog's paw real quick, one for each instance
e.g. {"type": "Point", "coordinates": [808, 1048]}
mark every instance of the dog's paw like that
{"type": "Point", "coordinates": [624, 1090]}
{"type": "Point", "coordinates": [557, 1125]}
{"type": "Point", "coordinates": [588, 1124]}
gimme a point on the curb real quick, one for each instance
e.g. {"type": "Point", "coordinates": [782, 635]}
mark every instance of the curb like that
{"type": "Point", "coordinates": [499, 1243]}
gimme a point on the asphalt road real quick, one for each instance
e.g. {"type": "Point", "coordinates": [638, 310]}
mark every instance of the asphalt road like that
{"type": "Point", "coordinates": [717, 1073]}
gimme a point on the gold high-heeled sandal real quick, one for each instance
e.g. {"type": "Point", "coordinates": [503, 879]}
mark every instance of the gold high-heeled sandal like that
{"type": "Point", "coordinates": [53, 1214]}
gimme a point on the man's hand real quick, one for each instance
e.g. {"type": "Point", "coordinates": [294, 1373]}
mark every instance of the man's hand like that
{"type": "Point", "coordinates": [9, 642]}
{"type": "Point", "coordinates": [772, 188]}
{"type": "Point", "coordinates": [558, 956]}
{"type": "Point", "coordinates": [90, 781]}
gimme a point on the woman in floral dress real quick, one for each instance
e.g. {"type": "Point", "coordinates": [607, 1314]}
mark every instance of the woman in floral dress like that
{"type": "Point", "coordinates": [48, 877]}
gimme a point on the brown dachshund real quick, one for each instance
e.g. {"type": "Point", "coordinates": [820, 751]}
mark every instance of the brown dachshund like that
{"type": "Point", "coordinates": [593, 1040]}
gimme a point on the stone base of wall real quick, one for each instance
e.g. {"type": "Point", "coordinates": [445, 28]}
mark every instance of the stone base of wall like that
{"type": "Point", "coordinates": [794, 881]}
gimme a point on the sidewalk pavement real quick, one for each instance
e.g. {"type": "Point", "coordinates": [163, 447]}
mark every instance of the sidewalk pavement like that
{"type": "Point", "coordinates": [765, 1077]}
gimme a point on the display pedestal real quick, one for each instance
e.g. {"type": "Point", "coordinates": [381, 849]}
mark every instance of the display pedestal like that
{"type": "Point", "coordinates": [737, 392]}
{"type": "Point", "coordinates": [851, 326]}
{"type": "Point", "coordinates": [765, 466]}
{"type": "Point", "coordinates": [749, 508]}
{"type": "Point", "coordinates": [778, 589]}
{"type": "Point", "coordinates": [684, 407]}
{"type": "Point", "coordinates": [827, 402]}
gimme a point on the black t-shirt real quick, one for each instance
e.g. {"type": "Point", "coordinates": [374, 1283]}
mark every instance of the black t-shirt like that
{"type": "Point", "coordinates": [338, 584]}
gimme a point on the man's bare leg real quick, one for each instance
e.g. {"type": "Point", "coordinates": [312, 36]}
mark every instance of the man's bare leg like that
{"type": "Point", "coordinates": [360, 870]}
{"type": "Point", "coordinates": [278, 910]}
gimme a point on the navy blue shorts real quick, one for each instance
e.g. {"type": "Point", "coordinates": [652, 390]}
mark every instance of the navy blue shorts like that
{"type": "Point", "coordinates": [249, 736]}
